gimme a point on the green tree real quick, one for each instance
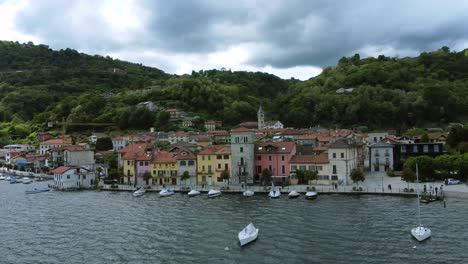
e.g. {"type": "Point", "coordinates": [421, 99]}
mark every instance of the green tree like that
{"type": "Point", "coordinates": [408, 175]}
{"type": "Point", "coordinates": [225, 176]}
{"type": "Point", "coordinates": [185, 176]}
{"type": "Point", "coordinates": [310, 176]}
{"type": "Point", "coordinates": [357, 175]}
{"type": "Point", "coordinates": [266, 176]}
{"type": "Point", "coordinates": [104, 143]}
{"type": "Point", "coordinates": [147, 176]}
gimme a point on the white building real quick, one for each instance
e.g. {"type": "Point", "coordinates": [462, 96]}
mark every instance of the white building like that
{"type": "Point", "coordinates": [381, 157]}
{"type": "Point", "coordinates": [375, 137]}
{"type": "Point", "coordinates": [119, 143]}
{"type": "Point", "coordinates": [275, 124]}
{"type": "Point", "coordinates": [73, 178]}
{"type": "Point", "coordinates": [343, 157]}
{"type": "Point", "coordinates": [52, 143]}
{"type": "Point", "coordinates": [79, 157]}
{"type": "Point", "coordinates": [18, 147]}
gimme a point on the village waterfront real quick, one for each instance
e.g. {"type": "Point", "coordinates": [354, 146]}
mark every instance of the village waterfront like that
{"type": "Point", "coordinates": [114, 227]}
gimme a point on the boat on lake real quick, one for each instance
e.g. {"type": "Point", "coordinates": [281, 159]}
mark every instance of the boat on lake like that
{"type": "Point", "coordinates": [140, 192]}
{"type": "Point", "coordinates": [2, 177]}
{"type": "Point", "coordinates": [311, 195]}
{"type": "Point", "coordinates": [193, 193]}
{"type": "Point", "coordinates": [248, 234]}
{"type": "Point", "coordinates": [166, 192]}
{"type": "Point", "coordinates": [214, 193]}
{"type": "Point", "coordinates": [36, 190]}
{"type": "Point", "coordinates": [26, 180]}
{"type": "Point", "coordinates": [293, 194]}
{"type": "Point", "coordinates": [13, 180]}
{"type": "Point", "coordinates": [420, 233]}
{"type": "Point", "coordinates": [248, 193]}
{"type": "Point", "coordinates": [274, 194]}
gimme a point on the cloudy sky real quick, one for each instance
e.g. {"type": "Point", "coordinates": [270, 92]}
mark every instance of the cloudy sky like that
{"type": "Point", "coordinates": [289, 38]}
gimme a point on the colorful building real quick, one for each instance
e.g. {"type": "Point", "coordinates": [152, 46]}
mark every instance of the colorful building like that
{"type": "Point", "coordinates": [276, 157]}
{"type": "Point", "coordinates": [318, 163]}
{"type": "Point", "coordinates": [164, 168]}
{"type": "Point", "coordinates": [212, 161]}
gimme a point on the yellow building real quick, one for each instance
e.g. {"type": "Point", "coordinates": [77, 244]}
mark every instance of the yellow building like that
{"type": "Point", "coordinates": [212, 161]}
{"type": "Point", "coordinates": [135, 156]}
{"type": "Point", "coordinates": [164, 168]}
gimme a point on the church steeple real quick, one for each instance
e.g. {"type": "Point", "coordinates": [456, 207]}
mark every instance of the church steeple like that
{"type": "Point", "coordinates": [260, 118]}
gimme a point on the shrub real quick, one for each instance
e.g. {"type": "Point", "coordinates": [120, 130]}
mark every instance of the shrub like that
{"type": "Point", "coordinates": [390, 173]}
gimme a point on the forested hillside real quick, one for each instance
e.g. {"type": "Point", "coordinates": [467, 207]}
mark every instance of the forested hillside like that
{"type": "Point", "coordinates": [38, 84]}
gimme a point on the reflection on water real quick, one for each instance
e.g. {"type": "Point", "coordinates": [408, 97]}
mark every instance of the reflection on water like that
{"type": "Point", "coordinates": [106, 227]}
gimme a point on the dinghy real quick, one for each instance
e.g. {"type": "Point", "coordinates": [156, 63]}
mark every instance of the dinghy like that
{"type": "Point", "coordinates": [213, 193]}
{"type": "Point", "coordinates": [248, 193]}
{"type": "Point", "coordinates": [166, 192]}
{"type": "Point", "coordinates": [35, 190]}
{"type": "Point", "coordinates": [193, 193]}
{"type": "Point", "coordinates": [311, 195]}
{"type": "Point", "coordinates": [293, 194]}
{"type": "Point", "coordinates": [248, 234]}
{"type": "Point", "coordinates": [139, 192]}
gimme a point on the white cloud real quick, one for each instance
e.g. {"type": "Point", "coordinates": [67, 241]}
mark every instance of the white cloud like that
{"type": "Point", "coordinates": [8, 31]}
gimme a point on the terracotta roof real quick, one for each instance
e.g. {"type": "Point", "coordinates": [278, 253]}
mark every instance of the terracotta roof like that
{"type": "Point", "coordinates": [215, 149]}
{"type": "Point", "coordinates": [54, 141]}
{"type": "Point", "coordinates": [202, 139]}
{"type": "Point", "coordinates": [324, 138]}
{"type": "Point", "coordinates": [133, 147]}
{"type": "Point", "coordinates": [310, 159]}
{"type": "Point", "coordinates": [218, 132]}
{"type": "Point", "coordinates": [63, 169]}
{"type": "Point", "coordinates": [306, 137]}
{"type": "Point", "coordinates": [343, 143]}
{"type": "Point", "coordinates": [164, 157]}
{"type": "Point", "coordinates": [274, 147]}
{"type": "Point", "coordinates": [240, 130]}
{"type": "Point", "coordinates": [189, 155]}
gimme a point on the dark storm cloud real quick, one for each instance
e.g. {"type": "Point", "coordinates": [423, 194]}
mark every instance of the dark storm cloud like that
{"type": "Point", "coordinates": [278, 33]}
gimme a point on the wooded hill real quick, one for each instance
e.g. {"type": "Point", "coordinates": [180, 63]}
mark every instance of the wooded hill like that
{"type": "Point", "coordinates": [38, 84]}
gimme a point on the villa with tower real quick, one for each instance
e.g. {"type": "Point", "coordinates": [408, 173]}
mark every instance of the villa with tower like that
{"type": "Point", "coordinates": [262, 124]}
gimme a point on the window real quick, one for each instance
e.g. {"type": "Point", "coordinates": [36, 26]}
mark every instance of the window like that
{"type": "Point", "coordinates": [282, 157]}
{"type": "Point", "coordinates": [141, 163]}
{"type": "Point", "coordinates": [294, 167]}
{"type": "Point", "coordinates": [128, 163]}
{"type": "Point", "coordinates": [283, 169]}
{"type": "Point", "coordinates": [191, 162]}
{"type": "Point", "coordinates": [209, 157]}
{"type": "Point", "coordinates": [415, 148]}
{"type": "Point", "coordinates": [203, 168]}
{"type": "Point", "coordinates": [226, 156]}
{"type": "Point", "coordinates": [183, 163]}
{"type": "Point", "coordinates": [241, 149]}
{"type": "Point", "coordinates": [403, 148]}
{"type": "Point", "coordinates": [334, 155]}
{"type": "Point", "coordinates": [334, 178]}
{"type": "Point", "coordinates": [269, 157]}
{"type": "Point", "coordinates": [219, 179]}
{"type": "Point", "coordinates": [259, 157]}
{"type": "Point", "coordinates": [436, 148]}
{"type": "Point", "coordinates": [259, 169]}
{"type": "Point", "coordinates": [334, 169]}
{"type": "Point", "coordinates": [219, 166]}
{"type": "Point", "coordinates": [209, 168]}
{"type": "Point", "coordinates": [68, 176]}
{"type": "Point", "coordinates": [226, 166]}
{"type": "Point", "coordinates": [342, 155]}
{"type": "Point", "coordinates": [218, 157]}
{"type": "Point", "coordinates": [84, 177]}
{"type": "Point", "coordinates": [269, 168]}
{"type": "Point", "coordinates": [302, 168]}
{"type": "Point", "coordinates": [426, 148]}
{"type": "Point", "coordinates": [154, 172]}
{"type": "Point", "coordinates": [203, 157]}
{"type": "Point", "coordinates": [319, 168]}
{"type": "Point", "coordinates": [146, 163]}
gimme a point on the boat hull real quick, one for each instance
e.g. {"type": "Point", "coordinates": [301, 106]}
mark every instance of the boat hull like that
{"type": "Point", "coordinates": [311, 195]}
{"type": "Point", "coordinates": [193, 193]}
{"type": "Point", "coordinates": [248, 235]}
{"type": "Point", "coordinates": [274, 194]}
{"type": "Point", "coordinates": [421, 233]}
{"type": "Point", "coordinates": [213, 194]}
{"type": "Point", "coordinates": [248, 193]}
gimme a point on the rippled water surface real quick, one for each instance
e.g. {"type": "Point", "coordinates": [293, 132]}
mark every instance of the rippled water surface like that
{"type": "Point", "coordinates": [107, 227]}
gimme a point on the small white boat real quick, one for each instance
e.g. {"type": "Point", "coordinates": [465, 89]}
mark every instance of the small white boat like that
{"type": "Point", "coordinates": [248, 193]}
{"type": "Point", "coordinates": [166, 192]}
{"type": "Point", "coordinates": [140, 192]}
{"type": "Point", "coordinates": [274, 194]}
{"type": "Point", "coordinates": [26, 180]}
{"type": "Point", "coordinates": [213, 193]}
{"type": "Point", "coordinates": [35, 190]}
{"type": "Point", "coordinates": [2, 177]}
{"type": "Point", "coordinates": [193, 193]}
{"type": "Point", "coordinates": [293, 194]}
{"type": "Point", "coordinates": [311, 195]}
{"type": "Point", "coordinates": [248, 234]}
{"type": "Point", "coordinates": [7, 178]}
{"type": "Point", "coordinates": [421, 233]}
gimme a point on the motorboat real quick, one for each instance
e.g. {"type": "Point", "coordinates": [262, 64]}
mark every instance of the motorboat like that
{"type": "Point", "coordinates": [311, 195]}
{"type": "Point", "coordinates": [214, 193]}
{"type": "Point", "coordinates": [293, 194]}
{"type": "Point", "coordinates": [248, 234]}
{"type": "Point", "coordinates": [193, 193]}
{"type": "Point", "coordinates": [26, 180]}
{"type": "Point", "coordinates": [36, 190]}
{"type": "Point", "coordinates": [166, 192]}
{"type": "Point", "coordinates": [248, 193]}
{"type": "Point", "coordinates": [139, 192]}
{"type": "Point", "coordinates": [2, 178]}
{"type": "Point", "coordinates": [273, 194]}
{"type": "Point", "coordinates": [8, 178]}
{"type": "Point", "coordinates": [13, 180]}
{"type": "Point", "coordinates": [420, 233]}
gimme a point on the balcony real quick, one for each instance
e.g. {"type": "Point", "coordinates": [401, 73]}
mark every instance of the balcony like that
{"type": "Point", "coordinates": [239, 164]}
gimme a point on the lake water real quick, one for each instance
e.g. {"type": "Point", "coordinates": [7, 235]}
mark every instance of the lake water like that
{"type": "Point", "coordinates": [114, 227]}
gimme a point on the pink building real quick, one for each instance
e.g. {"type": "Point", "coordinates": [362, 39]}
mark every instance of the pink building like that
{"type": "Point", "coordinates": [276, 157]}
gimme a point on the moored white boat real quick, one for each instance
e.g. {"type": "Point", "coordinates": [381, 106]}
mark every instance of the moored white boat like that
{"type": "Point", "coordinates": [420, 233]}
{"type": "Point", "coordinates": [2, 177]}
{"type": "Point", "coordinates": [26, 180]}
{"type": "Point", "coordinates": [166, 192]}
{"type": "Point", "coordinates": [193, 193]}
{"type": "Point", "coordinates": [311, 195]}
{"type": "Point", "coordinates": [13, 180]}
{"type": "Point", "coordinates": [7, 178]}
{"type": "Point", "coordinates": [248, 193]}
{"type": "Point", "coordinates": [248, 234]}
{"type": "Point", "coordinates": [35, 190]}
{"type": "Point", "coordinates": [273, 194]}
{"type": "Point", "coordinates": [140, 192]}
{"type": "Point", "coordinates": [213, 193]}
{"type": "Point", "coordinates": [293, 194]}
